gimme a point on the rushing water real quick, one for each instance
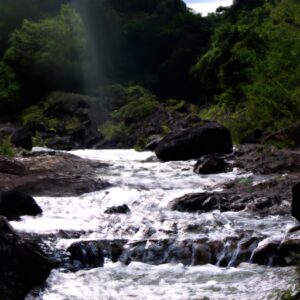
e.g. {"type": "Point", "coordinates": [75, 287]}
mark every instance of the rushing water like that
{"type": "Point", "coordinates": [147, 186]}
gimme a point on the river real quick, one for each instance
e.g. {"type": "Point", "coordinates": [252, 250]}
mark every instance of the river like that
{"type": "Point", "coordinates": [147, 186]}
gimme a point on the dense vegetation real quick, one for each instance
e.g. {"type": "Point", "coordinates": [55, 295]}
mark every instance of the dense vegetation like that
{"type": "Point", "coordinates": [239, 66]}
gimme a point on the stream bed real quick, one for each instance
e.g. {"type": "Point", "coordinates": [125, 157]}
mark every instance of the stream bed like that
{"type": "Point", "coordinates": [146, 186]}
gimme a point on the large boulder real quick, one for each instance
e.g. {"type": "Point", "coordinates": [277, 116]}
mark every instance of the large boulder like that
{"type": "Point", "coordinates": [12, 166]}
{"type": "Point", "coordinates": [22, 265]}
{"type": "Point", "coordinates": [14, 204]}
{"type": "Point", "coordinates": [194, 142]}
{"type": "Point", "coordinates": [296, 202]}
{"type": "Point", "coordinates": [22, 138]}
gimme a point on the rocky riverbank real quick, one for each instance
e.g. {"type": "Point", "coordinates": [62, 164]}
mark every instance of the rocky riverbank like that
{"type": "Point", "coordinates": [50, 173]}
{"type": "Point", "coordinates": [263, 193]}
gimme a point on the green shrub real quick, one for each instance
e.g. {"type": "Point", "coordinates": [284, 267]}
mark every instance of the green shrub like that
{"type": "Point", "coordinates": [111, 130]}
{"type": "Point", "coordinates": [6, 147]}
{"type": "Point", "coordinates": [33, 114]}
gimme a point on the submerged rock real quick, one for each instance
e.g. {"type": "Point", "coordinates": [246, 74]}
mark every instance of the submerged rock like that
{"type": "Point", "coordinates": [195, 142]}
{"type": "Point", "coordinates": [210, 164]}
{"type": "Point", "coordinates": [14, 204]}
{"type": "Point", "coordinates": [122, 209]}
{"type": "Point", "coordinates": [22, 265]}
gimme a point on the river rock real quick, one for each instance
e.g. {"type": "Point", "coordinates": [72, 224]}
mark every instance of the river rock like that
{"type": "Point", "coordinates": [210, 164]}
{"type": "Point", "coordinates": [22, 265]}
{"type": "Point", "coordinates": [296, 202]}
{"type": "Point", "coordinates": [14, 204]}
{"type": "Point", "coordinates": [122, 209]}
{"type": "Point", "coordinates": [12, 166]}
{"type": "Point", "coordinates": [277, 253]}
{"type": "Point", "coordinates": [200, 202]}
{"type": "Point", "coordinates": [195, 142]}
{"type": "Point", "coordinates": [261, 159]}
{"type": "Point", "coordinates": [55, 174]}
{"type": "Point", "coordinates": [22, 138]}
{"type": "Point", "coordinates": [231, 252]}
{"type": "Point", "coordinates": [90, 254]}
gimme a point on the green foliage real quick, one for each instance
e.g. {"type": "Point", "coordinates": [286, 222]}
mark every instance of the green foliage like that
{"type": "Point", "coordinates": [112, 130]}
{"type": "Point", "coordinates": [33, 114]}
{"type": "Point", "coordinates": [252, 69]}
{"type": "Point", "coordinates": [49, 54]}
{"type": "Point", "coordinates": [140, 104]}
{"type": "Point", "coordinates": [6, 147]}
{"type": "Point", "coordinates": [9, 89]}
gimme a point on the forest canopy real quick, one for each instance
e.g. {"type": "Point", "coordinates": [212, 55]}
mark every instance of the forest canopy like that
{"type": "Point", "coordinates": [240, 65]}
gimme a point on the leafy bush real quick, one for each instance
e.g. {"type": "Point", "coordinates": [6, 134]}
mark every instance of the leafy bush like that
{"type": "Point", "coordinates": [9, 90]}
{"type": "Point", "coordinates": [140, 104]}
{"type": "Point", "coordinates": [6, 147]}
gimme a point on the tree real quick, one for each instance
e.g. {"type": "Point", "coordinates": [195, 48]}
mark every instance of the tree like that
{"type": "Point", "coordinates": [9, 90]}
{"type": "Point", "coordinates": [49, 54]}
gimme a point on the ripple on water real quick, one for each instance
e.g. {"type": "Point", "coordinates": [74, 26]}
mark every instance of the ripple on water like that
{"type": "Point", "coordinates": [164, 282]}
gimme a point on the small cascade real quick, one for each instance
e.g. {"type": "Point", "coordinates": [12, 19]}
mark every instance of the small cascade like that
{"type": "Point", "coordinates": [152, 250]}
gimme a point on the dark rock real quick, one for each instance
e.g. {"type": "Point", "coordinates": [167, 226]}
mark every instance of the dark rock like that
{"type": "Point", "coordinates": [153, 142]}
{"type": "Point", "coordinates": [230, 252]}
{"type": "Point", "coordinates": [255, 199]}
{"type": "Point", "coordinates": [22, 138]}
{"type": "Point", "coordinates": [12, 166]}
{"type": "Point", "coordinates": [266, 160]}
{"type": "Point", "coordinates": [123, 209]}
{"type": "Point", "coordinates": [210, 164]}
{"type": "Point", "coordinates": [277, 253]}
{"type": "Point", "coordinates": [88, 255]}
{"type": "Point", "coordinates": [199, 202]}
{"type": "Point", "coordinates": [195, 142]}
{"type": "Point", "coordinates": [296, 202]}
{"type": "Point", "coordinates": [14, 204]}
{"type": "Point", "coordinates": [22, 265]}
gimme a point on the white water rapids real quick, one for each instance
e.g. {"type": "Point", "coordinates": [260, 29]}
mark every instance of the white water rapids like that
{"type": "Point", "coordinates": [147, 186]}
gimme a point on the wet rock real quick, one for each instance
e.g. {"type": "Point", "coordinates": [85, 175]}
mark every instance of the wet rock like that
{"type": "Point", "coordinates": [210, 164]}
{"type": "Point", "coordinates": [232, 251]}
{"type": "Point", "coordinates": [22, 265]}
{"type": "Point", "coordinates": [200, 202]}
{"type": "Point", "coordinates": [12, 166]}
{"type": "Point", "coordinates": [122, 209]}
{"type": "Point", "coordinates": [256, 199]}
{"type": "Point", "coordinates": [14, 204]}
{"type": "Point", "coordinates": [90, 254]}
{"type": "Point", "coordinates": [86, 256]}
{"type": "Point", "coordinates": [55, 174]}
{"type": "Point", "coordinates": [277, 253]}
{"type": "Point", "coordinates": [195, 142]}
{"type": "Point", "coordinates": [266, 160]}
{"type": "Point", "coordinates": [296, 202]}
{"type": "Point", "coordinates": [22, 138]}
